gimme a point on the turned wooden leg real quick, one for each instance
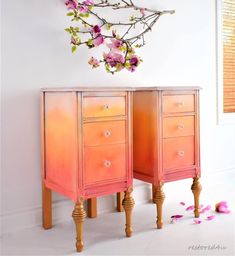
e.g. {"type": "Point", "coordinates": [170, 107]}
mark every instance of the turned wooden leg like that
{"type": "Point", "coordinates": [153, 193]}
{"type": "Point", "coordinates": [79, 216]}
{"type": "Point", "coordinates": [128, 204]}
{"type": "Point", "coordinates": [46, 207]}
{"type": "Point", "coordinates": [120, 197]}
{"type": "Point", "coordinates": [196, 189]}
{"type": "Point", "coordinates": [92, 207]}
{"type": "Point", "coordinates": [159, 197]}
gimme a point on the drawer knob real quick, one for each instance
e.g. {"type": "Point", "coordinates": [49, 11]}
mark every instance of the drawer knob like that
{"type": "Point", "coordinates": [107, 133]}
{"type": "Point", "coordinates": [181, 126]}
{"type": "Point", "coordinates": [180, 104]}
{"type": "Point", "coordinates": [180, 153]}
{"type": "Point", "coordinates": [106, 107]}
{"type": "Point", "coordinates": [107, 163]}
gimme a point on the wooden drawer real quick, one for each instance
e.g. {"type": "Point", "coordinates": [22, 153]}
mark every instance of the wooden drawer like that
{"type": "Point", "coordinates": [105, 163]}
{"type": "Point", "coordinates": [100, 133]}
{"type": "Point", "coordinates": [104, 106]}
{"type": "Point", "coordinates": [178, 103]}
{"type": "Point", "coordinates": [178, 152]}
{"type": "Point", "coordinates": [178, 126]}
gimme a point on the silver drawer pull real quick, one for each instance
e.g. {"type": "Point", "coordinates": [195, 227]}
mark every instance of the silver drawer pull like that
{"type": "Point", "coordinates": [107, 133]}
{"type": "Point", "coordinates": [107, 163]}
{"type": "Point", "coordinates": [181, 126]}
{"type": "Point", "coordinates": [107, 107]}
{"type": "Point", "coordinates": [180, 153]}
{"type": "Point", "coordinates": [180, 104]}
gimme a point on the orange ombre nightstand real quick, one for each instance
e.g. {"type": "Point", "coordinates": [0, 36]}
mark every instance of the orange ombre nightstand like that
{"type": "Point", "coordinates": [166, 145]}
{"type": "Point", "coordinates": [86, 137]}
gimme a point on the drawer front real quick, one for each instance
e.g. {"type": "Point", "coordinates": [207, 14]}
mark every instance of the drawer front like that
{"type": "Point", "coordinates": [178, 126]}
{"type": "Point", "coordinates": [105, 163]}
{"type": "Point", "coordinates": [100, 133]}
{"type": "Point", "coordinates": [178, 152]}
{"type": "Point", "coordinates": [104, 106]}
{"type": "Point", "coordinates": [178, 103]}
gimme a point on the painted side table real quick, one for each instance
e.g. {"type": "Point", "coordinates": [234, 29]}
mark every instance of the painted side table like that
{"type": "Point", "coordinates": [86, 137]}
{"type": "Point", "coordinates": [166, 145]}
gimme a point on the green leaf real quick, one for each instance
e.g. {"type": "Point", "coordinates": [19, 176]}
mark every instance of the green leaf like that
{"type": "Point", "coordinates": [108, 26]}
{"type": "Point", "coordinates": [132, 18]}
{"type": "Point", "coordinates": [70, 14]}
{"type": "Point", "coordinates": [68, 30]}
{"type": "Point", "coordinates": [74, 48]}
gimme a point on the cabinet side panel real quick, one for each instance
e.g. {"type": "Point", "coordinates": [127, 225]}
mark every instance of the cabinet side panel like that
{"type": "Point", "coordinates": [144, 135]}
{"type": "Point", "coordinates": [61, 141]}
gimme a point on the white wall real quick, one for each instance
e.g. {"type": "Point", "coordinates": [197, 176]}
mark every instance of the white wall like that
{"type": "Point", "coordinates": [35, 53]}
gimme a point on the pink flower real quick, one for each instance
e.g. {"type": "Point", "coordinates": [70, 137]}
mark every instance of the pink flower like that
{"type": "Point", "coordinates": [94, 62]}
{"type": "Point", "coordinates": [113, 58]}
{"type": "Point", "coordinates": [142, 11]}
{"type": "Point", "coordinates": [211, 217]}
{"type": "Point", "coordinates": [222, 207]}
{"type": "Point", "coordinates": [96, 29]}
{"type": "Point", "coordinates": [115, 44]}
{"type": "Point", "coordinates": [197, 221]}
{"type": "Point", "coordinates": [71, 4]}
{"type": "Point", "coordinates": [88, 2]}
{"type": "Point", "coordinates": [73, 40]}
{"type": "Point", "coordinates": [83, 8]}
{"type": "Point", "coordinates": [134, 61]}
{"type": "Point", "coordinates": [98, 40]}
{"type": "Point", "coordinates": [182, 203]}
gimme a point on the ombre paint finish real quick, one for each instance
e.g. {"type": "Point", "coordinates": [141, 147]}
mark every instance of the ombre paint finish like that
{"type": "Point", "coordinates": [86, 141]}
{"type": "Point", "coordinates": [166, 134]}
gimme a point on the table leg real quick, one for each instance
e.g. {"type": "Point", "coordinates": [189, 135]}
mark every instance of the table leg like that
{"type": "Point", "coordinates": [92, 207]}
{"type": "Point", "coordinates": [159, 197]}
{"type": "Point", "coordinates": [196, 189]}
{"type": "Point", "coordinates": [79, 216]}
{"type": "Point", "coordinates": [128, 204]}
{"type": "Point", "coordinates": [46, 207]}
{"type": "Point", "coordinates": [120, 197]}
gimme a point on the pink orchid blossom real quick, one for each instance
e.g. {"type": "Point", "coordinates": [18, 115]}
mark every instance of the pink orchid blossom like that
{"type": "Point", "coordinates": [134, 62]}
{"type": "Point", "coordinates": [222, 207]}
{"type": "Point", "coordinates": [114, 58]}
{"type": "Point", "coordinates": [83, 8]}
{"type": "Point", "coordinates": [88, 2]}
{"type": "Point", "coordinates": [142, 11]}
{"type": "Point", "coordinates": [94, 62]}
{"type": "Point", "coordinates": [182, 203]}
{"type": "Point", "coordinates": [197, 221]}
{"type": "Point", "coordinates": [115, 44]}
{"type": "Point", "coordinates": [98, 40]}
{"type": "Point", "coordinates": [96, 29]}
{"type": "Point", "coordinates": [211, 217]}
{"type": "Point", "coordinates": [71, 4]}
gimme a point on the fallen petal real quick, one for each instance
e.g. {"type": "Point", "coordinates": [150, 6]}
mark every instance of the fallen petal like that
{"type": "Point", "coordinates": [177, 216]}
{"type": "Point", "coordinates": [197, 221]}
{"type": "Point", "coordinates": [190, 208]}
{"type": "Point", "coordinates": [182, 203]}
{"type": "Point", "coordinates": [211, 217]}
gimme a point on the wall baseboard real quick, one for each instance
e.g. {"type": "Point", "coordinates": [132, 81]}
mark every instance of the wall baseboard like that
{"type": "Point", "coordinates": [31, 217]}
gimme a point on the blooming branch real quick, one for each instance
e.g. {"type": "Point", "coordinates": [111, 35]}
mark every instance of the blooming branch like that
{"type": "Point", "coordinates": [121, 54]}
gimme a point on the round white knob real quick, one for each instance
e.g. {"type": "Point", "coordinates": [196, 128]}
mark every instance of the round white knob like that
{"type": "Point", "coordinates": [107, 163]}
{"type": "Point", "coordinates": [180, 104]}
{"type": "Point", "coordinates": [181, 126]}
{"type": "Point", "coordinates": [107, 133]}
{"type": "Point", "coordinates": [180, 153]}
{"type": "Point", "coordinates": [107, 107]}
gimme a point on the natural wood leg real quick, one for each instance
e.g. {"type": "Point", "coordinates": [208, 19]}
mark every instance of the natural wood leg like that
{"type": "Point", "coordinates": [128, 204]}
{"type": "Point", "coordinates": [46, 207]}
{"type": "Point", "coordinates": [159, 197]}
{"type": "Point", "coordinates": [153, 193]}
{"type": "Point", "coordinates": [79, 216]}
{"type": "Point", "coordinates": [120, 197]}
{"type": "Point", "coordinates": [92, 207]}
{"type": "Point", "coordinates": [196, 189]}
